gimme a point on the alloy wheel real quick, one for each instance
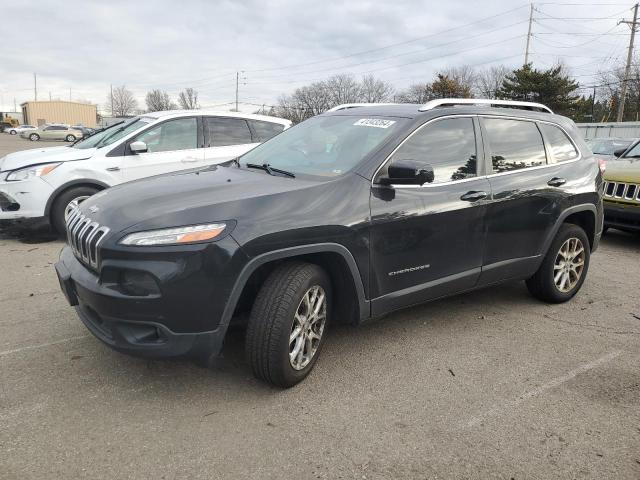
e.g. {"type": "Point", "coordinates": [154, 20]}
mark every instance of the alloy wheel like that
{"type": "Point", "coordinates": [569, 265]}
{"type": "Point", "coordinates": [308, 327]}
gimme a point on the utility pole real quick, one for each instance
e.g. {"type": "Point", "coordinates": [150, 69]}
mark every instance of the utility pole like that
{"type": "Point", "coordinates": [237, 83]}
{"type": "Point", "coordinates": [35, 87]}
{"type": "Point", "coordinates": [111, 98]}
{"type": "Point", "coordinates": [526, 52]}
{"type": "Point", "coordinates": [69, 93]}
{"type": "Point", "coordinates": [623, 93]}
{"type": "Point", "coordinates": [593, 105]}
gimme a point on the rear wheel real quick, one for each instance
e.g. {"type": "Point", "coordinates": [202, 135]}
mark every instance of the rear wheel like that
{"type": "Point", "coordinates": [288, 323]}
{"type": "Point", "coordinates": [12, 132]}
{"type": "Point", "coordinates": [70, 138]}
{"type": "Point", "coordinates": [34, 137]}
{"type": "Point", "coordinates": [564, 267]}
{"type": "Point", "coordinates": [65, 203]}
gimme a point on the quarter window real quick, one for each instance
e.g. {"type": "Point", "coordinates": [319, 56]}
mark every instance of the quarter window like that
{"type": "Point", "coordinates": [561, 148]}
{"type": "Point", "coordinates": [449, 146]}
{"type": "Point", "coordinates": [178, 134]}
{"type": "Point", "coordinates": [514, 144]}
{"type": "Point", "coordinates": [265, 130]}
{"type": "Point", "coordinates": [227, 131]}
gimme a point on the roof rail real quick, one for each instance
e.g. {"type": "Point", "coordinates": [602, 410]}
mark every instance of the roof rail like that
{"type": "Point", "coordinates": [346, 106]}
{"type": "Point", "coordinates": [442, 102]}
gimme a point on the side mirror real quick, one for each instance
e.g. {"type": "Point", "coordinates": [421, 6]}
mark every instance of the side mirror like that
{"type": "Point", "coordinates": [138, 147]}
{"type": "Point", "coordinates": [619, 152]}
{"type": "Point", "coordinates": [408, 172]}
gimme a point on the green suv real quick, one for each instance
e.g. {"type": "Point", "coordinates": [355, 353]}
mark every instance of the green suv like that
{"type": "Point", "coordinates": [622, 190]}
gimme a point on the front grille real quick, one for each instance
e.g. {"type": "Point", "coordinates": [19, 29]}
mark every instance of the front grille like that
{"type": "Point", "coordinates": [622, 191]}
{"type": "Point", "coordinates": [84, 237]}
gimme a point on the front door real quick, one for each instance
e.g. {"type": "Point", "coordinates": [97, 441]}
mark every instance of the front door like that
{"type": "Point", "coordinates": [428, 241]}
{"type": "Point", "coordinates": [171, 146]}
{"type": "Point", "coordinates": [226, 138]}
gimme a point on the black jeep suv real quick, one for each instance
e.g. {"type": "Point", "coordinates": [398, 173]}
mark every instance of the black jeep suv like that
{"type": "Point", "coordinates": [345, 217]}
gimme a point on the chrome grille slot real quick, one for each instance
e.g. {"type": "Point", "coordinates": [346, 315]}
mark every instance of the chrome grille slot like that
{"type": "Point", "coordinates": [609, 189]}
{"type": "Point", "coordinates": [84, 237]}
{"type": "Point", "coordinates": [620, 187]}
{"type": "Point", "coordinates": [631, 192]}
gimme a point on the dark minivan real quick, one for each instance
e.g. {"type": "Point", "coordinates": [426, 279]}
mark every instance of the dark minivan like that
{"type": "Point", "coordinates": [345, 217]}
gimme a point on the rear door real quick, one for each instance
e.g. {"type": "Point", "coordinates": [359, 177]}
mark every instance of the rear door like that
{"type": "Point", "coordinates": [171, 146]}
{"type": "Point", "coordinates": [226, 138]}
{"type": "Point", "coordinates": [529, 184]}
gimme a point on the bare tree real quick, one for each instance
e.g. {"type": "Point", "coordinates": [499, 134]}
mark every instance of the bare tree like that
{"type": "Point", "coordinates": [416, 93]}
{"type": "Point", "coordinates": [343, 88]}
{"type": "Point", "coordinates": [373, 90]}
{"type": "Point", "coordinates": [489, 81]}
{"type": "Point", "coordinates": [121, 103]}
{"type": "Point", "coordinates": [158, 101]}
{"type": "Point", "coordinates": [464, 77]}
{"type": "Point", "coordinates": [188, 99]}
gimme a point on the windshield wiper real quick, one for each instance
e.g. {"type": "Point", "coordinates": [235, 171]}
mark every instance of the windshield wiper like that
{"type": "Point", "coordinates": [270, 170]}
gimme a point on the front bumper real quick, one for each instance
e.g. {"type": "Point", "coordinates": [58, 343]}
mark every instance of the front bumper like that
{"type": "Point", "coordinates": [145, 326]}
{"type": "Point", "coordinates": [620, 215]}
{"type": "Point", "coordinates": [23, 200]}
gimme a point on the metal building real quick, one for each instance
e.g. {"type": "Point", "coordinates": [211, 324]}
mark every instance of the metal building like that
{"type": "Point", "coordinates": [57, 111]}
{"type": "Point", "coordinates": [610, 129]}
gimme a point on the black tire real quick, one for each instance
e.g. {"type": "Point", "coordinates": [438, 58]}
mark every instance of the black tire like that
{"type": "Point", "coordinates": [12, 132]}
{"type": "Point", "coordinates": [272, 318]}
{"type": "Point", "coordinates": [542, 285]}
{"type": "Point", "coordinates": [34, 137]}
{"type": "Point", "coordinates": [70, 138]}
{"type": "Point", "coordinates": [61, 202]}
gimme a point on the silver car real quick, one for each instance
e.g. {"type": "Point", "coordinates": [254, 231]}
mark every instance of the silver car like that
{"type": "Point", "coordinates": [53, 132]}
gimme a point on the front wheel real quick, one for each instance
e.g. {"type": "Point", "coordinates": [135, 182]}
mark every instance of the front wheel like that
{"type": "Point", "coordinates": [564, 267]}
{"type": "Point", "coordinates": [34, 137]}
{"type": "Point", "coordinates": [288, 323]}
{"type": "Point", "coordinates": [70, 138]}
{"type": "Point", "coordinates": [12, 132]}
{"type": "Point", "coordinates": [66, 203]}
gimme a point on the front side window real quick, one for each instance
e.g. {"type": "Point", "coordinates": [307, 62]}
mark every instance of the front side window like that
{"type": "Point", "coordinates": [178, 134]}
{"type": "Point", "coordinates": [449, 146]}
{"type": "Point", "coordinates": [561, 148]}
{"type": "Point", "coordinates": [514, 144]}
{"type": "Point", "coordinates": [325, 146]}
{"type": "Point", "coordinates": [265, 130]}
{"type": "Point", "coordinates": [225, 131]}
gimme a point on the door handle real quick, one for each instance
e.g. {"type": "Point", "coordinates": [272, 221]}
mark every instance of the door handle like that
{"type": "Point", "coordinates": [189, 160]}
{"type": "Point", "coordinates": [113, 169]}
{"type": "Point", "coordinates": [474, 196]}
{"type": "Point", "coordinates": [556, 182]}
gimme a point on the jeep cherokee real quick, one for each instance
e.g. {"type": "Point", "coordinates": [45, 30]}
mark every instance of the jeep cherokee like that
{"type": "Point", "coordinates": [345, 217]}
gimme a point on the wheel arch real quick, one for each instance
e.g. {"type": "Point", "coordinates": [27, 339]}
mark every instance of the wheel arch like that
{"type": "Point", "coordinates": [81, 182]}
{"type": "Point", "coordinates": [349, 299]}
{"type": "Point", "coordinates": [584, 215]}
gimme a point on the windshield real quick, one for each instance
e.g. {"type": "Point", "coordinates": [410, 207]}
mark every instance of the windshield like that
{"type": "Point", "coordinates": [606, 146]}
{"type": "Point", "coordinates": [113, 133]}
{"type": "Point", "coordinates": [326, 146]}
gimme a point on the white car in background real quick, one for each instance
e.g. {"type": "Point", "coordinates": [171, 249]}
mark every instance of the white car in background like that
{"type": "Point", "coordinates": [44, 184]}
{"type": "Point", "coordinates": [20, 129]}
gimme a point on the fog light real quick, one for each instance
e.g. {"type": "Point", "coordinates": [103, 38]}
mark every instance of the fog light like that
{"type": "Point", "coordinates": [137, 283]}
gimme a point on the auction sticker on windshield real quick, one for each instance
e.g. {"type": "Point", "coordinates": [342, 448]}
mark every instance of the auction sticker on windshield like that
{"type": "Point", "coordinates": [374, 122]}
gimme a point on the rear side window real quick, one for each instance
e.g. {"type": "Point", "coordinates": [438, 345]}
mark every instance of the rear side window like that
{"type": "Point", "coordinates": [514, 144]}
{"type": "Point", "coordinates": [265, 130]}
{"type": "Point", "coordinates": [449, 146]}
{"type": "Point", "coordinates": [561, 148]}
{"type": "Point", "coordinates": [227, 131]}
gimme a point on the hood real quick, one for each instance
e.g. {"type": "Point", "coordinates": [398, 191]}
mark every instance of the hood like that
{"type": "Point", "coordinates": [185, 198]}
{"type": "Point", "coordinates": [623, 170]}
{"type": "Point", "coordinates": [34, 156]}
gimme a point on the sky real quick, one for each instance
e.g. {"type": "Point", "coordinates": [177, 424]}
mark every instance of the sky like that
{"type": "Point", "coordinates": [78, 50]}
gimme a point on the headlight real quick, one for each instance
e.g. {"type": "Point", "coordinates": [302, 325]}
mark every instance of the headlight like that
{"type": "Point", "coordinates": [175, 236]}
{"type": "Point", "coordinates": [33, 171]}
